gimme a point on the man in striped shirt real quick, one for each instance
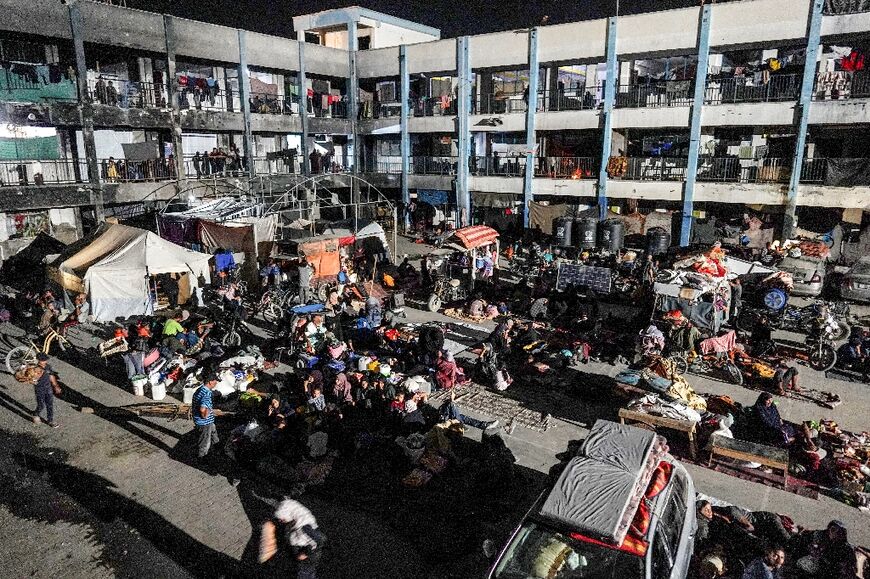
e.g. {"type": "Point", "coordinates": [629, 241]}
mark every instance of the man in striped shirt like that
{"type": "Point", "coordinates": [203, 415]}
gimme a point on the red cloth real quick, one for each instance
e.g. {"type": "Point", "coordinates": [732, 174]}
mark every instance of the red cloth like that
{"type": "Point", "coordinates": [853, 62]}
{"type": "Point", "coordinates": [723, 343]}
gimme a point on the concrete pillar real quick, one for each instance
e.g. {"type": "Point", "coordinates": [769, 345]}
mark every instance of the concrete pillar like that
{"type": "Point", "coordinates": [302, 83]}
{"type": "Point", "coordinates": [530, 125]}
{"type": "Point", "coordinates": [178, 150]}
{"type": "Point", "coordinates": [607, 115]}
{"type": "Point", "coordinates": [463, 112]}
{"type": "Point", "coordinates": [87, 110]}
{"type": "Point", "coordinates": [353, 90]}
{"type": "Point", "coordinates": [802, 112]}
{"type": "Point", "coordinates": [244, 100]}
{"type": "Point", "coordinates": [405, 145]}
{"type": "Point", "coordinates": [695, 124]}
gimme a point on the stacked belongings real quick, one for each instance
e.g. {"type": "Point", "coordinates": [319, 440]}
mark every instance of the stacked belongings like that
{"type": "Point", "coordinates": [698, 287]}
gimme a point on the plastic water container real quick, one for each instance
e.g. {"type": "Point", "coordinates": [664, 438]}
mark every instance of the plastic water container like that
{"type": "Point", "coordinates": [188, 394]}
{"type": "Point", "coordinates": [139, 381]}
{"type": "Point", "coordinates": [158, 391]}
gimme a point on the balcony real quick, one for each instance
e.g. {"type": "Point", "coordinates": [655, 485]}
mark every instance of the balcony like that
{"type": "Point", "coordinates": [660, 93]}
{"type": "Point", "coordinates": [767, 170]}
{"type": "Point", "coordinates": [574, 99]}
{"type": "Point", "coordinates": [778, 88]}
{"type": "Point", "coordinates": [842, 85]}
{"type": "Point", "coordinates": [838, 7]}
{"type": "Point", "coordinates": [434, 107]}
{"type": "Point", "coordinates": [498, 104]}
{"type": "Point", "coordinates": [271, 104]}
{"type": "Point", "coordinates": [567, 167]}
{"type": "Point", "coordinates": [25, 172]}
{"type": "Point", "coordinates": [653, 169]}
{"type": "Point", "coordinates": [128, 94]}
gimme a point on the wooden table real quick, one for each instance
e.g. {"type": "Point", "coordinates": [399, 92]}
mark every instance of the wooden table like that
{"type": "Point", "coordinates": [686, 426]}
{"type": "Point", "coordinates": [769, 456]}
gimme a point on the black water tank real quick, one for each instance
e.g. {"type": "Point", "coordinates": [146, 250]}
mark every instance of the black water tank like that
{"type": "Point", "coordinates": [657, 241]}
{"type": "Point", "coordinates": [611, 234]}
{"type": "Point", "coordinates": [585, 232]}
{"type": "Point", "coordinates": [562, 230]}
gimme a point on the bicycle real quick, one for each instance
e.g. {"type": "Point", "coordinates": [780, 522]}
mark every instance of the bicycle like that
{"type": "Point", "coordinates": [26, 355]}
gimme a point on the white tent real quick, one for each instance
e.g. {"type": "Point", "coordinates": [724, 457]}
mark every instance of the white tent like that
{"type": "Point", "coordinates": [115, 270]}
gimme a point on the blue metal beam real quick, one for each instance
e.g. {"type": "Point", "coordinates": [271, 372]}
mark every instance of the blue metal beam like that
{"type": "Point", "coordinates": [531, 139]}
{"type": "Point", "coordinates": [463, 111]}
{"type": "Point", "coordinates": [353, 91]}
{"type": "Point", "coordinates": [607, 115]}
{"type": "Point", "coordinates": [303, 109]}
{"type": "Point", "coordinates": [695, 123]}
{"type": "Point", "coordinates": [404, 98]}
{"type": "Point", "coordinates": [244, 99]}
{"type": "Point", "coordinates": [803, 112]}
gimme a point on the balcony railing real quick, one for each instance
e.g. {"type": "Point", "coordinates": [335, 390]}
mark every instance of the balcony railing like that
{"type": "Point", "coordinates": [842, 85]}
{"type": "Point", "coordinates": [785, 87]}
{"type": "Point", "coordinates": [835, 7]}
{"type": "Point", "coordinates": [566, 167]}
{"type": "Point", "coordinates": [656, 169]}
{"type": "Point", "coordinates": [335, 110]}
{"type": "Point", "coordinates": [660, 93]}
{"type": "Point", "coordinates": [434, 106]}
{"type": "Point", "coordinates": [270, 104]}
{"type": "Point", "coordinates": [383, 167]}
{"type": "Point", "coordinates": [42, 172]}
{"type": "Point", "coordinates": [573, 99]}
{"type": "Point", "coordinates": [421, 165]}
{"type": "Point", "coordinates": [767, 170]}
{"type": "Point", "coordinates": [498, 104]}
{"type": "Point", "coordinates": [373, 110]}
{"type": "Point", "coordinates": [128, 94]}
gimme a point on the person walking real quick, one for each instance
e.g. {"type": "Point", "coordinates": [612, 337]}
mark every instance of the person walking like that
{"type": "Point", "coordinates": [170, 288]}
{"type": "Point", "coordinates": [296, 528]}
{"type": "Point", "coordinates": [197, 165]}
{"type": "Point", "coordinates": [304, 271]}
{"type": "Point", "coordinates": [46, 387]}
{"type": "Point", "coordinates": [203, 416]}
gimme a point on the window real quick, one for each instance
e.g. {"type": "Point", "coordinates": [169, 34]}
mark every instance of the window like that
{"type": "Point", "coordinates": [387, 92]}
{"type": "Point", "coordinates": [21, 51]}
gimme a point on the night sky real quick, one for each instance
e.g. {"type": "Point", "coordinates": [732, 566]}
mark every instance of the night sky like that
{"type": "Point", "coordinates": [454, 18]}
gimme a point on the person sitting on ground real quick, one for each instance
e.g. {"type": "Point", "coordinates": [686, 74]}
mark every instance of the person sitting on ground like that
{"type": "Point", "coordinates": [767, 567]}
{"type": "Point", "coordinates": [785, 378]}
{"type": "Point", "coordinates": [413, 420]}
{"type": "Point", "coordinates": [827, 553]}
{"type": "Point", "coordinates": [315, 332]}
{"type": "Point", "coordinates": [316, 401]}
{"type": "Point", "coordinates": [767, 426]}
{"type": "Point", "coordinates": [500, 338]}
{"type": "Point", "coordinates": [491, 368]}
{"type": "Point", "coordinates": [447, 373]}
{"type": "Point", "coordinates": [450, 411]}
{"type": "Point", "coordinates": [397, 405]}
{"type": "Point", "coordinates": [852, 355]}
{"type": "Point", "coordinates": [477, 308]}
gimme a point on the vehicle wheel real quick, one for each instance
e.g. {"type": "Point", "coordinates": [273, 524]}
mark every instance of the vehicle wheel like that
{"type": "Point", "coordinates": [842, 332]}
{"type": "Point", "coordinates": [681, 366]}
{"type": "Point", "coordinates": [18, 357]}
{"type": "Point", "coordinates": [733, 372]}
{"type": "Point", "coordinates": [232, 339]}
{"type": "Point", "coordinates": [823, 358]}
{"type": "Point", "coordinates": [434, 303]}
{"type": "Point", "coordinates": [301, 364]}
{"type": "Point", "coordinates": [272, 313]}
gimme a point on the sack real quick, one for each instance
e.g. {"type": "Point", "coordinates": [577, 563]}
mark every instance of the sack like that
{"type": "Point", "coordinates": [29, 374]}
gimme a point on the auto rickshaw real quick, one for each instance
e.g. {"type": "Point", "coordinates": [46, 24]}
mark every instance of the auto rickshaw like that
{"type": "Point", "coordinates": [457, 264]}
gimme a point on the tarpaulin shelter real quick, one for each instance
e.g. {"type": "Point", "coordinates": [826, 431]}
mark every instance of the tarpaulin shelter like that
{"type": "Point", "coordinates": [474, 236]}
{"type": "Point", "coordinates": [23, 270]}
{"type": "Point", "coordinates": [114, 267]}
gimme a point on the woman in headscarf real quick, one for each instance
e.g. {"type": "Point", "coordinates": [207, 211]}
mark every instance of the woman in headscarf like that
{"type": "Point", "coordinates": [313, 380]}
{"type": "Point", "coordinates": [342, 390]}
{"type": "Point", "coordinates": [446, 371]}
{"type": "Point", "coordinates": [770, 427]}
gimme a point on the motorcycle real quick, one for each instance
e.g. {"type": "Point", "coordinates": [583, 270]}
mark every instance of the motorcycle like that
{"type": "Point", "coordinates": [818, 349]}
{"type": "Point", "coordinates": [799, 319]}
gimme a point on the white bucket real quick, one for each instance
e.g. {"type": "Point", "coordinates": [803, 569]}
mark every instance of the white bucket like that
{"type": "Point", "coordinates": [188, 394]}
{"type": "Point", "coordinates": [158, 391]}
{"type": "Point", "coordinates": [139, 383]}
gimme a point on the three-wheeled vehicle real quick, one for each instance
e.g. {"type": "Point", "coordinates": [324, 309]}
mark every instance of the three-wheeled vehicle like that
{"type": "Point", "coordinates": [457, 263]}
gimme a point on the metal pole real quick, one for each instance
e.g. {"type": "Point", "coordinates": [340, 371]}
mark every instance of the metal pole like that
{"type": "Point", "coordinates": [695, 123]}
{"type": "Point", "coordinates": [803, 112]}
{"type": "Point", "coordinates": [463, 110]}
{"type": "Point", "coordinates": [607, 116]}
{"type": "Point", "coordinates": [404, 90]}
{"type": "Point", "coordinates": [244, 96]}
{"type": "Point", "coordinates": [303, 107]}
{"type": "Point", "coordinates": [531, 111]}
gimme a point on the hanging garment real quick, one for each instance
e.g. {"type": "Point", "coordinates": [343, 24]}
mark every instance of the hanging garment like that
{"type": "Point", "coordinates": [853, 62]}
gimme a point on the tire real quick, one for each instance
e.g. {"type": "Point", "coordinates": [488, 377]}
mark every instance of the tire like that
{"type": "Point", "coordinates": [19, 356]}
{"type": "Point", "coordinates": [681, 366]}
{"type": "Point", "coordinates": [231, 340]}
{"type": "Point", "coordinates": [735, 376]}
{"type": "Point", "coordinates": [301, 364]}
{"type": "Point", "coordinates": [434, 303]}
{"type": "Point", "coordinates": [272, 313]}
{"type": "Point", "coordinates": [823, 358]}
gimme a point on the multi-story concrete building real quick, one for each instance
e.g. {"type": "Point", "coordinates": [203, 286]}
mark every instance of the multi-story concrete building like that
{"type": "Point", "coordinates": [756, 102]}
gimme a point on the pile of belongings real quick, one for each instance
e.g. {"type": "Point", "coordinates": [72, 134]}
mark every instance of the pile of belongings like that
{"type": "Point", "coordinates": [429, 453]}
{"type": "Point", "coordinates": [661, 378]}
{"type": "Point", "coordinates": [655, 405]}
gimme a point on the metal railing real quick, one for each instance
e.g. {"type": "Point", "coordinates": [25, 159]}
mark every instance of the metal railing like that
{"type": "Point", "coordinates": [656, 169]}
{"type": "Point", "coordinates": [422, 165]}
{"type": "Point", "coordinates": [567, 167]}
{"type": "Point", "coordinates": [384, 167]}
{"type": "Point", "coordinates": [128, 94]}
{"type": "Point", "coordinates": [214, 166]}
{"type": "Point", "coordinates": [42, 172]}
{"type": "Point", "coordinates": [433, 106]}
{"type": "Point", "coordinates": [270, 104]}
{"type": "Point", "coordinates": [373, 110]}
{"type": "Point", "coordinates": [837, 7]}
{"type": "Point", "coordinates": [842, 85]}
{"type": "Point", "coordinates": [498, 104]}
{"type": "Point", "coordinates": [335, 110]}
{"type": "Point", "coordinates": [497, 166]}
{"type": "Point", "coordinates": [123, 171]}
{"type": "Point", "coordinates": [658, 93]}
{"type": "Point", "coordinates": [571, 99]}
{"type": "Point", "coordinates": [285, 166]}
{"type": "Point", "coordinates": [784, 87]}
{"type": "Point", "coordinates": [767, 170]}
{"type": "Point", "coordinates": [215, 99]}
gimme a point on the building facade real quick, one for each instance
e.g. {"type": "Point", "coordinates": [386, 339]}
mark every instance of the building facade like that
{"type": "Point", "coordinates": [756, 102]}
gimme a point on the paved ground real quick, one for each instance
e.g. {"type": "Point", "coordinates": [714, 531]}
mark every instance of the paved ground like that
{"type": "Point", "coordinates": [105, 496]}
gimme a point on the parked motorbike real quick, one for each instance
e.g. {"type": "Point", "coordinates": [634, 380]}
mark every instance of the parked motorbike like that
{"type": "Point", "coordinates": [799, 319]}
{"type": "Point", "coordinates": [818, 349]}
